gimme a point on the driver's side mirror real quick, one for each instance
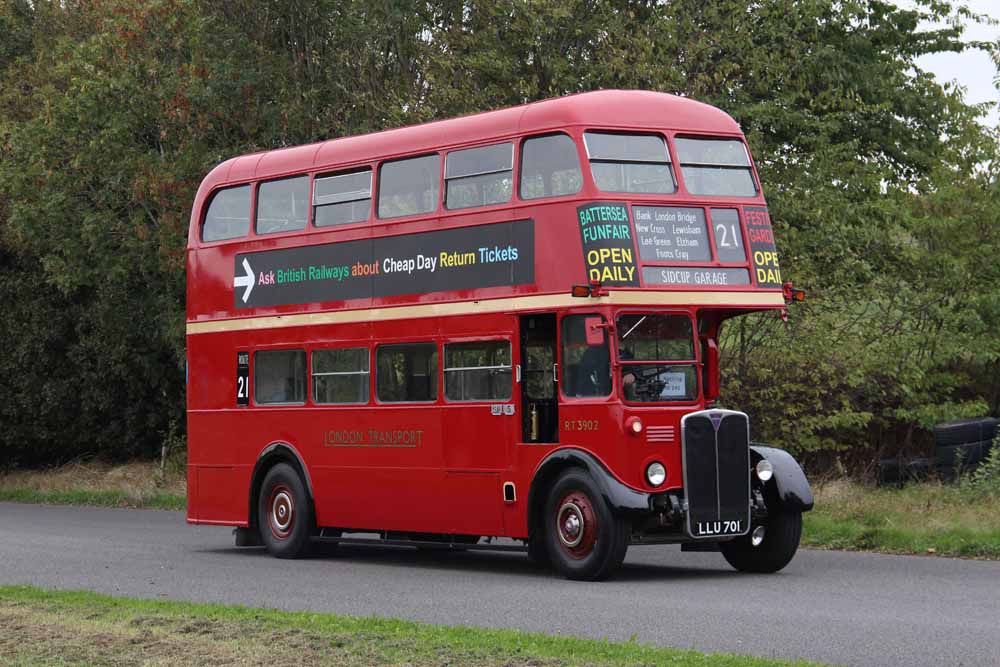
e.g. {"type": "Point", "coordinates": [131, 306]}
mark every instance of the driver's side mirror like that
{"type": "Point", "coordinates": [594, 328]}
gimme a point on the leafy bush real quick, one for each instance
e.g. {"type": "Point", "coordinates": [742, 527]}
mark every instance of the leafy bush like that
{"type": "Point", "coordinates": [986, 478]}
{"type": "Point", "coordinates": [882, 186]}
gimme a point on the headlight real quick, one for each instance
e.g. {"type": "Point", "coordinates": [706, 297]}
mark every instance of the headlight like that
{"type": "Point", "coordinates": [656, 474]}
{"type": "Point", "coordinates": [633, 426]}
{"type": "Point", "coordinates": [765, 470]}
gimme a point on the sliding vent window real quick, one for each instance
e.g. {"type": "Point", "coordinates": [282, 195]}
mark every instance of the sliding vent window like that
{"type": "Point", "coordinates": [409, 187]}
{"type": "Point", "coordinates": [479, 371]}
{"type": "Point", "coordinates": [630, 163]}
{"type": "Point", "coordinates": [340, 376]}
{"type": "Point", "coordinates": [279, 376]}
{"type": "Point", "coordinates": [479, 176]}
{"type": "Point", "coordinates": [715, 167]}
{"type": "Point", "coordinates": [282, 206]}
{"type": "Point", "coordinates": [228, 215]}
{"type": "Point", "coordinates": [342, 199]}
{"type": "Point", "coordinates": [550, 167]}
{"type": "Point", "coordinates": [407, 372]}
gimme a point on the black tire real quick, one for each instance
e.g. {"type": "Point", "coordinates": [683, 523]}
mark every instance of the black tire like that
{"type": "Point", "coordinates": [781, 541]}
{"type": "Point", "coordinates": [601, 537]}
{"type": "Point", "coordinates": [965, 430]}
{"type": "Point", "coordinates": [538, 550]}
{"type": "Point", "coordinates": [963, 456]}
{"type": "Point", "coordinates": [285, 513]}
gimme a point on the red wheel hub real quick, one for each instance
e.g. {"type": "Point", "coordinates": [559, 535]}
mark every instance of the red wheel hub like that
{"type": "Point", "coordinates": [281, 511]}
{"type": "Point", "coordinates": [576, 524]}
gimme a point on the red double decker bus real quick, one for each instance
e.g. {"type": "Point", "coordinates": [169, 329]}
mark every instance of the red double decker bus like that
{"type": "Point", "coordinates": [500, 325]}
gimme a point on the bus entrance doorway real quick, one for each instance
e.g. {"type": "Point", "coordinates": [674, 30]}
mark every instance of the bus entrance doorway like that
{"type": "Point", "coordinates": [539, 404]}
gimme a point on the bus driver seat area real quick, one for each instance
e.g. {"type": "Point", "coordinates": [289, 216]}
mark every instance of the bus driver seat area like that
{"type": "Point", "coordinates": [591, 375]}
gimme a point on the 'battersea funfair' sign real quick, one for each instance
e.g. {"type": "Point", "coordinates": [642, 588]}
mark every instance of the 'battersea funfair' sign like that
{"type": "Point", "coordinates": [608, 246]}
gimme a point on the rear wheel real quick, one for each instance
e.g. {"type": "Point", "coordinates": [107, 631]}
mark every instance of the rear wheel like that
{"type": "Point", "coordinates": [781, 541]}
{"type": "Point", "coordinates": [284, 513]}
{"type": "Point", "coordinates": [585, 539]}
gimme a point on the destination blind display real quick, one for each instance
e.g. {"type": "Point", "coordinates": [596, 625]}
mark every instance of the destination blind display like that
{"type": "Point", "coordinates": [454, 259]}
{"type": "Point", "coordinates": [698, 276]}
{"type": "Point", "coordinates": [671, 234]}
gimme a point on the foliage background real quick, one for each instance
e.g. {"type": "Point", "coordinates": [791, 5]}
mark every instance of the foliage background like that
{"type": "Point", "coordinates": [882, 186]}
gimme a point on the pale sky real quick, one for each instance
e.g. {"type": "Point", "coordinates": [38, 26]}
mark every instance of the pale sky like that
{"type": "Point", "coordinates": [971, 69]}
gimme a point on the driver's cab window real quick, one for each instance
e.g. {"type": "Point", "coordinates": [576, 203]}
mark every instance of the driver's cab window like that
{"type": "Point", "coordinates": [657, 357]}
{"type": "Point", "coordinates": [586, 361]}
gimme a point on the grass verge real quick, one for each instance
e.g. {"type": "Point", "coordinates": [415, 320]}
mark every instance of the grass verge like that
{"type": "Point", "coordinates": [130, 485]}
{"type": "Point", "coordinates": [159, 501]}
{"type": "Point", "coordinates": [925, 518]}
{"type": "Point", "coordinates": [79, 628]}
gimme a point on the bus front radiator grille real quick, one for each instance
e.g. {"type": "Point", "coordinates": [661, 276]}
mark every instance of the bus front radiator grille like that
{"type": "Point", "coordinates": [716, 456]}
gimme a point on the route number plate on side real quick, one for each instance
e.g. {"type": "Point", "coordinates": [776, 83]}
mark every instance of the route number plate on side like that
{"type": "Point", "coordinates": [242, 379]}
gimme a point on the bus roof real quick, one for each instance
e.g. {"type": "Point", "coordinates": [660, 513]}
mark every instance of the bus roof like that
{"type": "Point", "coordinates": [604, 108]}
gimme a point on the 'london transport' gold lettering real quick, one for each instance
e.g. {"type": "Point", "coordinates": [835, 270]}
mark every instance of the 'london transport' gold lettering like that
{"type": "Point", "coordinates": [373, 438]}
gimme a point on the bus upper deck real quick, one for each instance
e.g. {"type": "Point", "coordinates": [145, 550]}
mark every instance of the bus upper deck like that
{"type": "Point", "coordinates": [633, 190]}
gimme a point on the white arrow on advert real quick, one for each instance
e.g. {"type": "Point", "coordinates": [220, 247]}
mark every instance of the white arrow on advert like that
{"type": "Point", "coordinates": [245, 281]}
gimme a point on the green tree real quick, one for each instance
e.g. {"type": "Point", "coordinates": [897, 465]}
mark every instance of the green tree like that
{"type": "Point", "coordinates": [881, 184]}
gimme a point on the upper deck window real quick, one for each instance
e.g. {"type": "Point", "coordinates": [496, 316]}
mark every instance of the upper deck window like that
{"type": "Point", "coordinates": [282, 205]}
{"type": "Point", "coordinates": [409, 187]}
{"type": "Point", "coordinates": [342, 199]}
{"type": "Point", "coordinates": [479, 176]}
{"type": "Point", "coordinates": [715, 167]}
{"type": "Point", "coordinates": [228, 214]}
{"type": "Point", "coordinates": [550, 167]}
{"type": "Point", "coordinates": [630, 162]}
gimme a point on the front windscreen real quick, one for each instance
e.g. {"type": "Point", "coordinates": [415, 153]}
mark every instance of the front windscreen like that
{"type": "Point", "coordinates": [657, 357]}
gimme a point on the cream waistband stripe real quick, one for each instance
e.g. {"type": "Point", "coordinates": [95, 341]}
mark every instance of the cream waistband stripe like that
{"type": "Point", "coordinates": [542, 301]}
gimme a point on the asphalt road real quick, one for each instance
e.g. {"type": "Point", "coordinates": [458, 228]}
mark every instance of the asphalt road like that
{"type": "Point", "coordinates": [840, 608]}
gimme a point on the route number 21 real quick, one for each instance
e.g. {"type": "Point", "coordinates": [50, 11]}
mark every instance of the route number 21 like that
{"type": "Point", "coordinates": [728, 238]}
{"type": "Point", "coordinates": [242, 378]}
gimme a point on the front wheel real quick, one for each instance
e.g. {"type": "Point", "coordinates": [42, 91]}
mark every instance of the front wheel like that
{"type": "Point", "coordinates": [781, 540]}
{"type": "Point", "coordinates": [284, 513]}
{"type": "Point", "coordinates": [585, 539]}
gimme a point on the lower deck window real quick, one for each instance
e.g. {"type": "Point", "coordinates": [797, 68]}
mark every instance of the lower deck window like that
{"type": "Point", "coordinates": [477, 371]}
{"type": "Point", "coordinates": [586, 362]}
{"type": "Point", "coordinates": [406, 372]}
{"type": "Point", "coordinates": [279, 376]}
{"type": "Point", "coordinates": [340, 376]}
